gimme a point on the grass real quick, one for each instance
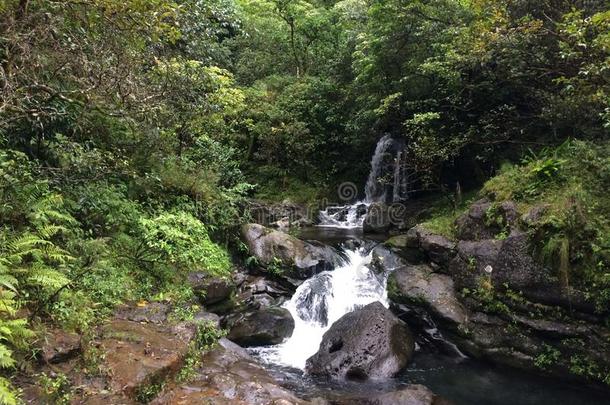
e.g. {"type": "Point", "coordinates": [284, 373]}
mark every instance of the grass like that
{"type": "Point", "coordinates": [444, 213]}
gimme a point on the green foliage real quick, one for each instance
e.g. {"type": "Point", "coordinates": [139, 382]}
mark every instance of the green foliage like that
{"type": "Point", "coordinates": [55, 388]}
{"type": "Point", "coordinates": [206, 338]}
{"type": "Point", "coordinates": [548, 357]}
{"type": "Point", "coordinates": [181, 240]}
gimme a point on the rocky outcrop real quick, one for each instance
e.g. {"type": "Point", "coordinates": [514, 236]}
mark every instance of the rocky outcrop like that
{"type": "Point", "coordinates": [494, 299]}
{"type": "Point", "coordinates": [57, 345]}
{"type": "Point", "coordinates": [296, 258]}
{"type": "Point", "coordinates": [485, 220]}
{"type": "Point", "coordinates": [281, 215]}
{"type": "Point", "coordinates": [419, 285]}
{"type": "Point", "coordinates": [411, 395]}
{"type": "Point", "coordinates": [369, 342]}
{"type": "Point", "coordinates": [229, 376]}
{"type": "Point", "coordinates": [262, 327]}
{"type": "Point", "coordinates": [211, 290]}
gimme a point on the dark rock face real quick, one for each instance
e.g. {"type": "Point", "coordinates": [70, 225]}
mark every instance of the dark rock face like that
{"type": "Point", "coordinates": [485, 220]}
{"type": "Point", "coordinates": [493, 298]}
{"type": "Point", "coordinates": [384, 261]}
{"type": "Point", "coordinates": [369, 342]}
{"type": "Point", "coordinates": [266, 326]}
{"type": "Point", "coordinates": [300, 259]}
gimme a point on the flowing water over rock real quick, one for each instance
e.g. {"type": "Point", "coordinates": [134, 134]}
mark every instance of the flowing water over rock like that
{"type": "Point", "coordinates": [388, 182]}
{"type": "Point", "coordinates": [323, 299]}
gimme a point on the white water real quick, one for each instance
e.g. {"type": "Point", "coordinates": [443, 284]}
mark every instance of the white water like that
{"type": "Point", "coordinates": [372, 187]}
{"type": "Point", "coordinates": [322, 300]}
{"type": "Point", "coordinates": [353, 219]}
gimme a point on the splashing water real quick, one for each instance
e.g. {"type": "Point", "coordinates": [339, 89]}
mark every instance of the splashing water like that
{"type": "Point", "coordinates": [322, 300]}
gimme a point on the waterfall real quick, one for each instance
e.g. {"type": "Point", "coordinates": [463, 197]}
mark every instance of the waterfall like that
{"type": "Point", "coordinates": [322, 300]}
{"type": "Point", "coordinates": [373, 190]}
{"type": "Point", "coordinates": [353, 216]}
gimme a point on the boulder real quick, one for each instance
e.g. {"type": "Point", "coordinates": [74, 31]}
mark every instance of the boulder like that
{"type": "Point", "coordinates": [410, 395]}
{"type": "Point", "coordinates": [265, 326]}
{"type": "Point", "coordinates": [369, 342]}
{"type": "Point", "coordinates": [406, 245]}
{"type": "Point", "coordinates": [384, 261]}
{"type": "Point", "coordinates": [485, 220]}
{"type": "Point", "coordinates": [58, 345]}
{"type": "Point", "coordinates": [377, 219]}
{"type": "Point", "coordinates": [438, 248]}
{"type": "Point", "coordinates": [211, 290]}
{"type": "Point", "coordinates": [299, 259]}
{"type": "Point", "coordinates": [418, 285]}
{"type": "Point", "coordinates": [227, 375]}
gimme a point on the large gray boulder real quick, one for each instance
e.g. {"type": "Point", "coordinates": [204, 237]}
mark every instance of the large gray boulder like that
{"type": "Point", "coordinates": [298, 259]}
{"type": "Point", "coordinates": [419, 286]}
{"type": "Point", "coordinates": [369, 342]}
{"type": "Point", "coordinates": [262, 327]}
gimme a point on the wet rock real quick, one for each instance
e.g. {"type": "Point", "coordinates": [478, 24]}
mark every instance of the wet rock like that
{"type": "Point", "coordinates": [314, 300]}
{"type": "Point", "coordinates": [411, 395]}
{"type": "Point", "coordinates": [228, 376]}
{"type": "Point", "coordinates": [369, 342]}
{"type": "Point", "coordinates": [299, 259]}
{"type": "Point", "coordinates": [377, 219]}
{"type": "Point", "coordinates": [57, 346]}
{"type": "Point", "coordinates": [146, 312]}
{"type": "Point", "coordinates": [420, 286]}
{"type": "Point", "coordinates": [384, 261]}
{"type": "Point", "coordinates": [211, 290]}
{"type": "Point", "coordinates": [266, 326]}
{"type": "Point", "coordinates": [139, 354]}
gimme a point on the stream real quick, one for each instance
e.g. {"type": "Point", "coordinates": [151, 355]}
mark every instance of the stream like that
{"type": "Point", "coordinates": [324, 298]}
{"type": "Point", "coordinates": [327, 296]}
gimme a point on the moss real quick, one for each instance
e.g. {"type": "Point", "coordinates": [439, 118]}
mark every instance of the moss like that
{"type": "Point", "coordinates": [572, 234]}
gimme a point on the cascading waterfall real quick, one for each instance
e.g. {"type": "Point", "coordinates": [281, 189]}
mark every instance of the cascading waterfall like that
{"type": "Point", "coordinates": [373, 190]}
{"type": "Point", "coordinates": [352, 216]}
{"type": "Point", "coordinates": [322, 300]}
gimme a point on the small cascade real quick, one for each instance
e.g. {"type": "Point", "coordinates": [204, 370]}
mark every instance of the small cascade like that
{"type": "Point", "coordinates": [346, 216]}
{"type": "Point", "coordinates": [322, 300]}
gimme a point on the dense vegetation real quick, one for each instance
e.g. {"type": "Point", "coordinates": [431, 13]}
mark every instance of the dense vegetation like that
{"type": "Point", "coordinates": [132, 132]}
